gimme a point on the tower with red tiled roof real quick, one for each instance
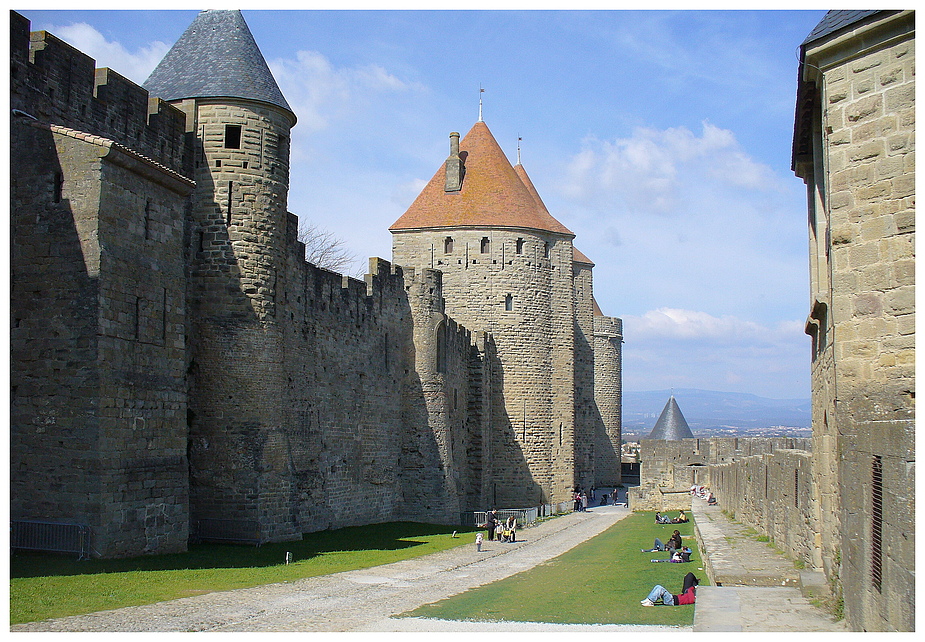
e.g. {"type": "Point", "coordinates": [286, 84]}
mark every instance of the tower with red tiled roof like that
{"type": "Point", "coordinates": [509, 270]}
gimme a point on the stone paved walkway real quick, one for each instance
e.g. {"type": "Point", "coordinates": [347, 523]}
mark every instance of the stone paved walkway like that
{"type": "Point", "coordinates": [754, 587]}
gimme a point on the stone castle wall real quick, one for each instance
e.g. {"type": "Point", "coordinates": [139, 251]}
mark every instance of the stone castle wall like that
{"type": "Point", "coordinates": [857, 156]}
{"type": "Point", "coordinates": [319, 401]}
{"type": "Point", "coordinates": [669, 468]}
{"type": "Point", "coordinates": [54, 82]}
{"type": "Point", "coordinates": [98, 278]}
{"type": "Point", "coordinates": [149, 324]}
{"type": "Point", "coordinates": [774, 493]}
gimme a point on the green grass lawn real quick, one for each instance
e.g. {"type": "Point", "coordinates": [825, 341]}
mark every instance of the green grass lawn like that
{"type": "Point", "coordinates": [47, 586]}
{"type": "Point", "coordinates": [598, 582]}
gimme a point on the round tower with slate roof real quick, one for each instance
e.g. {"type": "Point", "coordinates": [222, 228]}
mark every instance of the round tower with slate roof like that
{"type": "Point", "coordinates": [507, 270]}
{"type": "Point", "coordinates": [240, 124]}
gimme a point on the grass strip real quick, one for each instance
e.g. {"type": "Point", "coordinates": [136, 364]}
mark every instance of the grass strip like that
{"type": "Point", "coordinates": [50, 586]}
{"type": "Point", "coordinates": [598, 582]}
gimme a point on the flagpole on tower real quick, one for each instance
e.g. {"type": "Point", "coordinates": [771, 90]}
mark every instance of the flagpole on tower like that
{"type": "Point", "coordinates": [481, 91]}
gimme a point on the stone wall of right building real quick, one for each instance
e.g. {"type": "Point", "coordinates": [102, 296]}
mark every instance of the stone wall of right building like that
{"type": "Point", "coordinates": [854, 148]}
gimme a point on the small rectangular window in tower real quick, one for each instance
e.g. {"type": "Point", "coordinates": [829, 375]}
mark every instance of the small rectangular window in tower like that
{"type": "Point", "coordinates": [232, 137]}
{"type": "Point", "coordinates": [485, 245]}
{"type": "Point", "coordinates": [545, 250]}
{"type": "Point", "coordinates": [520, 246]}
{"type": "Point", "coordinates": [448, 245]}
{"type": "Point", "coordinates": [508, 303]}
{"type": "Point", "coordinates": [876, 526]}
{"type": "Point", "coordinates": [282, 148]}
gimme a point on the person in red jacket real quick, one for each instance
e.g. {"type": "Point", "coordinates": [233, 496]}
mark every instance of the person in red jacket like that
{"type": "Point", "coordinates": [687, 596]}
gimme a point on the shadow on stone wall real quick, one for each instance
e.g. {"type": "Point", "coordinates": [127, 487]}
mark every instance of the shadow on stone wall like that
{"type": "Point", "coordinates": [510, 483]}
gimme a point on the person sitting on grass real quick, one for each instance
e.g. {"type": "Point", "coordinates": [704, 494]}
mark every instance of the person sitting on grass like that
{"type": "Point", "coordinates": [680, 519]}
{"type": "Point", "coordinates": [680, 556]}
{"type": "Point", "coordinates": [674, 543]}
{"type": "Point", "coordinates": [662, 519]}
{"type": "Point", "coordinates": [660, 593]}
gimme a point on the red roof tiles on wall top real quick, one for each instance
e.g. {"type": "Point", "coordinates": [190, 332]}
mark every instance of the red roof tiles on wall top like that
{"type": "Point", "coordinates": [493, 193]}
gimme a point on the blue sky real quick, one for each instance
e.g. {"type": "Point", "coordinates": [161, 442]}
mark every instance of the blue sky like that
{"type": "Point", "coordinates": [661, 138]}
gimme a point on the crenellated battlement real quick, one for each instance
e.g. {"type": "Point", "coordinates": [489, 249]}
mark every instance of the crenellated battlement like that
{"type": "Point", "coordinates": [55, 83]}
{"type": "Point", "coordinates": [611, 327]}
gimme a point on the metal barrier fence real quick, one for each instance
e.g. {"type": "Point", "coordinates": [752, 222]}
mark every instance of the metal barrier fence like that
{"type": "Point", "coordinates": [227, 530]}
{"type": "Point", "coordinates": [51, 537]}
{"type": "Point", "coordinates": [524, 516]}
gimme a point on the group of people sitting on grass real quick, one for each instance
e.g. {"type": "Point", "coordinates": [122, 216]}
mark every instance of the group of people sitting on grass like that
{"type": "Point", "coordinates": [678, 554]}
{"type": "Point", "coordinates": [664, 519]}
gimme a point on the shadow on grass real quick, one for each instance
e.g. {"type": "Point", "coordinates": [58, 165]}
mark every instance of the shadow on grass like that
{"type": "Point", "coordinates": [381, 537]}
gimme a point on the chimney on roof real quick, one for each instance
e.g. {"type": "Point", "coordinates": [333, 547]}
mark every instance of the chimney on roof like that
{"type": "Point", "coordinates": [455, 169]}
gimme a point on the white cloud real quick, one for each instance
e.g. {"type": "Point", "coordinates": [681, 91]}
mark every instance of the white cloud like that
{"type": "Point", "coordinates": [320, 93]}
{"type": "Point", "coordinates": [670, 347]}
{"type": "Point", "coordinates": [673, 323]}
{"type": "Point", "coordinates": [675, 347]}
{"type": "Point", "coordinates": [654, 170]}
{"type": "Point", "coordinates": [134, 66]}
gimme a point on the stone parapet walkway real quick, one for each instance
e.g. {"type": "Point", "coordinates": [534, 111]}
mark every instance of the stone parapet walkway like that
{"type": "Point", "coordinates": [753, 587]}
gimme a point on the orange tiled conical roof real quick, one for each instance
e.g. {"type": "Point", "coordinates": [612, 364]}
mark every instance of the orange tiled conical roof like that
{"type": "Point", "coordinates": [493, 194]}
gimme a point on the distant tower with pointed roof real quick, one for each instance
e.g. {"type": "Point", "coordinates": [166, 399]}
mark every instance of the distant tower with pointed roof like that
{"type": "Point", "coordinates": [671, 424]}
{"type": "Point", "coordinates": [240, 123]}
{"type": "Point", "coordinates": [509, 269]}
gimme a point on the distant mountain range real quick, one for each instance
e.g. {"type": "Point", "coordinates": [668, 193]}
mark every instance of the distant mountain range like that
{"type": "Point", "coordinates": [711, 413]}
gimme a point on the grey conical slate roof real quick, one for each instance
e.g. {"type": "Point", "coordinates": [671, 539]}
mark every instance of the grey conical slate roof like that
{"type": "Point", "coordinates": [216, 57]}
{"type": "Point", "coordinates": [671, 423]}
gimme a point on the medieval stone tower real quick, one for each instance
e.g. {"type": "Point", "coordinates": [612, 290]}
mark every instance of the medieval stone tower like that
{"type": "Point", "coordinates": [510, 269]}
{"type": "Point", "coordinates": [239, 123]}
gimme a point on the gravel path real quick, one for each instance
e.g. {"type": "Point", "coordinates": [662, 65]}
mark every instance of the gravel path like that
{"type": "Point", "coordinates": [364, 600]}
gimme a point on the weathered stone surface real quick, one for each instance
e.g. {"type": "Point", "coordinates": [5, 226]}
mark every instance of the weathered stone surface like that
{"type": "Point", "coordinates": [863, 330]}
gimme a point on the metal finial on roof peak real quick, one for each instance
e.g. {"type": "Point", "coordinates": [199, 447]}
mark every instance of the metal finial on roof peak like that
{"type": "Point", "coordinates": [518, 149]}
{"type": "Point", "coordinates": [481, 91]}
